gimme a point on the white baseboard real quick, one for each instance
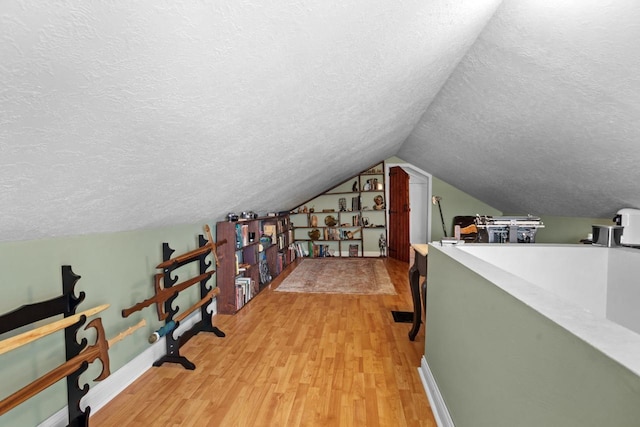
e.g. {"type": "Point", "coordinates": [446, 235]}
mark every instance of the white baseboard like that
{"type": "Point", "coordinates": [103, 392]}
{"type": "Point", "coordinates": [438, 407]}
{"type": "Point", "coordinates": [372, 254]}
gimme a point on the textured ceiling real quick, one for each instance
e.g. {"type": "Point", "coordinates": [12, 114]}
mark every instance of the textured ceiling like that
{"type": "Point", "coordinates": [542, 115]}
{"type": "Point", "coordinates": [126, 115]}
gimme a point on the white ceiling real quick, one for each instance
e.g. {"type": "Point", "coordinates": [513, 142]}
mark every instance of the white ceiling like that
{"type": "Point", "coordinates": [125, 115]}
{"type": "Point", "coordinates": [542, 115]}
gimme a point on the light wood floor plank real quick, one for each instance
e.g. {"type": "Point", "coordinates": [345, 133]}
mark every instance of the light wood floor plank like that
{"type": "Point", "coordinates": [290, 360]}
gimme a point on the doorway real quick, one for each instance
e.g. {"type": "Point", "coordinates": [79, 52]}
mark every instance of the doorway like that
{"type": "Point", "coordinates": [419, 203]}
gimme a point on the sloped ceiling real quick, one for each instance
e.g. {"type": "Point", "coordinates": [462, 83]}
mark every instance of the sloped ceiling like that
{"type": "Point", "coordinates": [542, 115]}
{"type": "Point", "coordinates": [126, 115]}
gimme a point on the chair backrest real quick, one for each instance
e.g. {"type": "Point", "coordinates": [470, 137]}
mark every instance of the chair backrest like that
{"type": "Point", "coordinates": [468, 229]}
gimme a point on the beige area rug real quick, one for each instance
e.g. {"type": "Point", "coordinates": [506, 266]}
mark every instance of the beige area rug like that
{"type": "Point", "coordinates": [339, 276]}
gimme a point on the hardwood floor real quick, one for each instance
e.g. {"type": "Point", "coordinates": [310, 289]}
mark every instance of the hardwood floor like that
{"type": "Point", "coordinates": [290, 360]}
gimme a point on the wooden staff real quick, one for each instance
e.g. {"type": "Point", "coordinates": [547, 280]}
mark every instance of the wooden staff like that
{"type": "Point", "coordinates": [97, 351]}
{"type": "Point", "coordinates": [213, 249]}
{"type": "Point", "coordinates": [170, 326]}
{"type": "Point", "coordinates": [210, 246]}
{"type": "Point", "coordinates": [166, 293]}
{"type": "Point", "coordinates": [29, 336]}
{"type": "Point", "coordinates": [159, 304]}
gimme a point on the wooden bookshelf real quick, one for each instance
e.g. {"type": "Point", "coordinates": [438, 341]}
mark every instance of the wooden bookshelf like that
{"type": "Point", "coordinates": [349, 215]}
{"type": "Point", "coordinates": [256, 253]}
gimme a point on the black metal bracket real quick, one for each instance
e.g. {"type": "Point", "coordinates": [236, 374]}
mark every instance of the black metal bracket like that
{"type": "Point", "coordinates": [172, 342]}
{"type": "Point", "coordinates": [66, 305]}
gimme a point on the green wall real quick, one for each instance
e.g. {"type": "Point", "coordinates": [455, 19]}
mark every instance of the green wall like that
{"type": "Point", "coordinates": [499, 363]}
{"type": "Point", "coordinates": [454, 203]}
{"type": "Point", "coordinates": [367, 239]}
{"type": "Point", "coordinates": [562, 229]}
{"type": "Point", "coordinates": [558, 229]}
{"type": "Point", "coordinates": [116, 269]}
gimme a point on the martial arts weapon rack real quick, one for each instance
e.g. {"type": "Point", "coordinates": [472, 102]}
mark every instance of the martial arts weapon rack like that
{"type": "Point", "coordinates": [66, 305]}
{"type": "Point", "coordinates": [165, 296]}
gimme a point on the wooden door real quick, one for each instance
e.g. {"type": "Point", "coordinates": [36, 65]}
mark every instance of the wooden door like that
{"type": "Point", "coordinates": [399, 217]}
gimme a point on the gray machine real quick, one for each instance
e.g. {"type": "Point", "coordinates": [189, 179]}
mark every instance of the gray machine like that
{"type": "Point", "coordinates": [508, 229]}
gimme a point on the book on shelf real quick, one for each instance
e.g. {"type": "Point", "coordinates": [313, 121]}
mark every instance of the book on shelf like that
{"type": "Point", "coordinates": [355, 203]}
{"type": "Point", "coordinates": [239, 298]}
{"type": "Point", "coordinates": [240, 295]}
{"type": "Point", "coordinates": [244, 290]}
{"type": "Point", "coordinates": [242, 235]}
{"type": "Point", "coordinates": [255, 288]}
{"type": "Point", "coordinates": [280, 262]}
{"type": "Point", "coordinates": [299, 249]}
{"type": "Point", "coordinates": [353, 250]}
{"type": "Point", "coordinates": [321, 251]}
{"type": "Point", "coordinates": [250, 254]}
{"type": "Point", "coordinates": [282, 225]}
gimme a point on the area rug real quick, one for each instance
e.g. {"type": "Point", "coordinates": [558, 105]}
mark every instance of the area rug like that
{"type": "Point", "coordinates": [339, 276]}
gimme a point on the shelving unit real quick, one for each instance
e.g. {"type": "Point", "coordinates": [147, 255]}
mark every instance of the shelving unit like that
{"type": "Point", "coordinates": [348, 220]}
{"type": "Point", "coordinates": [258, 251]}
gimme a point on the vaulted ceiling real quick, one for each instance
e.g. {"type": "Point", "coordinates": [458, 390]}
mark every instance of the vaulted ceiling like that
{"type": "Point", "coordinates": [125, 115]}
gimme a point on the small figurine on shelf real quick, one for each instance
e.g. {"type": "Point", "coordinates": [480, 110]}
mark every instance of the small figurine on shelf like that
{"type": "Point", "coordinates": [382, 244]}
{"type": "Point", "coordinates": [379, 203]}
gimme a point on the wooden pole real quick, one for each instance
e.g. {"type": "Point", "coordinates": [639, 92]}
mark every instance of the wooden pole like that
{"type": "Point", "coordinates": [29, 336]}
{"type": "Point", "coordinates": [166, 293]}
{"type": "Point", "coordinates": [211, 246]}
{"type": "Point", "coordinates": [97, 351]}
{"type": "Point", "coordinates": [172, 324]}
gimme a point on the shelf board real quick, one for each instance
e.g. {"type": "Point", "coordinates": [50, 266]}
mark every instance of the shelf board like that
{"type": "Point", "coordinates": [360, 188]}
{"type": "Point", "coordinates": [335, 226]}
{"type": "Point", "coordinates": [341, 240]}
{"type": "Point", "coordinates": [338, 193]}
